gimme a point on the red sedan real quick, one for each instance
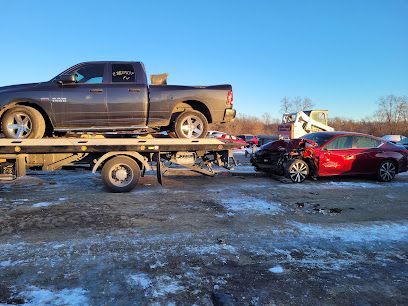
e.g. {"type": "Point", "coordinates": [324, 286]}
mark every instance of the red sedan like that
{"type": "Point", "coordinates": [233, 139]}
{"type": "Point", "coordinates": [332, 153]}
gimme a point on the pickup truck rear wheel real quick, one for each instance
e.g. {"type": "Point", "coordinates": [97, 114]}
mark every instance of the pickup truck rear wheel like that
{"type": "Point", "coordinates": [120, 174]}
{"type": "Point", "coordinates": [191, 124]}
{"type": "Point", "coordinates": [23, 122]}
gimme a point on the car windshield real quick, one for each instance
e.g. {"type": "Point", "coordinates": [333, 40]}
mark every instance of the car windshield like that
{"type": "Point", "coordinates": [319, 138]}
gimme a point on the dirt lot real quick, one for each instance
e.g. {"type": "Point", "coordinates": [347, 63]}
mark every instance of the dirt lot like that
{"type": "Point", "coordinates": [228, 240]}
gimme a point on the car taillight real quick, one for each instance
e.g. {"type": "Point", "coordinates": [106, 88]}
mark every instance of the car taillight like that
{"type": "Point", "coordinates": [230, 98]}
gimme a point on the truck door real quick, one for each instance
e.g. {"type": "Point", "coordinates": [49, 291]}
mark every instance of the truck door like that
{"type": "Point", "coordinates": [82, 104]}
{"type": "Point", "coordinates": [127, 98]}
{"type": "Point", "coordinates": [337, 157]}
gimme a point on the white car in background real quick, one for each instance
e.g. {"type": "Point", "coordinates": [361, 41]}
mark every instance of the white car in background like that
{"type": "Point", "coordinates": [215, 134]}
{"type": "Point", "coordinates": [393, 138]}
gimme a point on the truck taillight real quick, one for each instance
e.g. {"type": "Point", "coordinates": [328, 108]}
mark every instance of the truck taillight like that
{"type": "Point", "coordinates": [230, 98]}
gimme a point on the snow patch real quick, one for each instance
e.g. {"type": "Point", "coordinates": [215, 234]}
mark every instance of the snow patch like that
{"type": "Point", "coordinates": [251, 204]}
{"type": "Point", "coordinates": [166, 285]}
{"type": "Point", "coordinates": [276, 269]}
{"type": "Point", "coordinates": [43, 204]}
{"type": "Point", "coordinates": [141, 280]}
{"type": "Point", "coordinates": [213, 249]}
{"type": "Point", "coordinates": [334, 184]}
{"type": "Point", "coordinates": [356, 233]}
{"type": "Point", "coordinates": [70, 297]}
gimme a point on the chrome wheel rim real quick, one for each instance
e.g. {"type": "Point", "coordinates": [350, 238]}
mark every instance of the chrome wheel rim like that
{"type": "Point", "coordinates": [192, 127]}
{"type": "Point", "coordinates": [19, 125]}
{"type": "Point", "coordinates": [120, 175]}
{"type": "Point", "coordinates": [387, 171]}
{"type": "Point", "coordinates": [298, 172]}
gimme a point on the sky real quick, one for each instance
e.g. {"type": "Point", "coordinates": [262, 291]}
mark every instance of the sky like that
{"type": "Point", "coordinates": [342, 54]}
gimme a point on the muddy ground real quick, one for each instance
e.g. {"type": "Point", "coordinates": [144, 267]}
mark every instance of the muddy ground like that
{"type": "Point", "coordinates": [227, 240]}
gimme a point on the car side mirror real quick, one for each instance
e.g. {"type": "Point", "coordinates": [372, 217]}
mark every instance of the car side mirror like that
{"type": "Point", "coordinates": [66, 79]}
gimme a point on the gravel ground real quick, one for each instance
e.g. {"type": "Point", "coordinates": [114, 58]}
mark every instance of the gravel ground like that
{"type": "Point", "coordinates": [239, 239]}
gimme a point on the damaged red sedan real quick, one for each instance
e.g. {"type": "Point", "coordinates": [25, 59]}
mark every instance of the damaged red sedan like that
{"type": "Point", "coordinates": [332, 153]}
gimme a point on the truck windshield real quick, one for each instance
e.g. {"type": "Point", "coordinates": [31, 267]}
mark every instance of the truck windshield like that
{"type": "Point", "coordinates": [289, 118]}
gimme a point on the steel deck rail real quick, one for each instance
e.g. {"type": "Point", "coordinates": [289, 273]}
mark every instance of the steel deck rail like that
{"type": "Point", "coordinates": [99, 145]}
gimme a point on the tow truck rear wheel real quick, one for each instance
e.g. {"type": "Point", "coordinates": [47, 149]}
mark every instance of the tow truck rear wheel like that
{"type": "Point", "coordinates": [120, 174]}
{"type": "Point", "coordinates": [297, 170]}
{"type": "Point", "coordinates": [191, 124]}
{"type": "Point", "coordinates": [22, 122]}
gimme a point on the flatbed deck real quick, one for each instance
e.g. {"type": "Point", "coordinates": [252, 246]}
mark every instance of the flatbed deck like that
{"type": "Point", "coordinates": [121, 160]}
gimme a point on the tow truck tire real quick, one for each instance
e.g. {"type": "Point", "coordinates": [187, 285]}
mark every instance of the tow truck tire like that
{"type": "Point", "coordinates": [297, 170]}
{"type": "Point", "coordinates": [23, 122]}
{"type": "Point", "coordinates": [120, 174]}
{"type": "Point", "coordinates": [191, 124]}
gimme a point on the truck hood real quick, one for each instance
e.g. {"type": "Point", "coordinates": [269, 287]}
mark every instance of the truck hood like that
{"type": "Point", "coordinates": [19, 87]}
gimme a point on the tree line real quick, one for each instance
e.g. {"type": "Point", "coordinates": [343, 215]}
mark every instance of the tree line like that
{"type": "Point", "coordinates": [391, 117]}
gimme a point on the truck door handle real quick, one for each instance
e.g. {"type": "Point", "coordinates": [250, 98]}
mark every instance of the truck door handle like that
{"type": "Point", "coordinates": [134, 90]}
{"type": "Point", "coordinates": [96, 90]}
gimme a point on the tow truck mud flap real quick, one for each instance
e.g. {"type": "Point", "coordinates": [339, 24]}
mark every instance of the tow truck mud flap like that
{"type": "Point", "coordinates": [12, 169]}
{"type": "Point", "coordinates": [159, 173]}
{"type": "Point", "coordinates": [7, 171]}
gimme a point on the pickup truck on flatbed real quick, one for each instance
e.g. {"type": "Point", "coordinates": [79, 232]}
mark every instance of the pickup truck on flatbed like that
{"type": "Point", "coordinates": [111, 96]}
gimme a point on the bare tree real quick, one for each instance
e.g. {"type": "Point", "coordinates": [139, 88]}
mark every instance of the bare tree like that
{"type": "Point", "coordinates": [286, 105]}
{"type": "Point", "coordinates": [392, 111]}
{"type": "Point", "coordinates": [296, 104]}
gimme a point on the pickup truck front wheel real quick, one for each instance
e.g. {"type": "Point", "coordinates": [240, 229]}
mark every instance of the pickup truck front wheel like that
{"type": "Point", "coordinates": [191, 124]}
{"type": "Point", "coordinates": [23, 122]}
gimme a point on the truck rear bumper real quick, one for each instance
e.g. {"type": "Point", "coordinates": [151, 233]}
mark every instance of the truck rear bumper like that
{"type": "Point", "coordinates": [229, 115]}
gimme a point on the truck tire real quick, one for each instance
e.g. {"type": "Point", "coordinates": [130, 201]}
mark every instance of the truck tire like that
{"type": "Point", "coordinates": [22, 122]}
{"type": "Point", "coordinates": [191, 124]}
{"type": "Point", "coordinates": [120, 174]}
{"type": "Point", "coordinates": [297, 170]}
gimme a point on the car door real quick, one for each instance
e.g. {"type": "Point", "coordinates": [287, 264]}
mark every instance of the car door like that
{"type": "Point", "coordinates": [336, 157]}
{"type": "Point", "coordinates": [83, 104]}
{"type": "Point", "coordinates": [127, 102]}
{"type": "Point", "coordinates": [367, 151]}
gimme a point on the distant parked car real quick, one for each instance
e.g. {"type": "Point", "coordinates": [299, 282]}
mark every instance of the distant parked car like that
{"type": "Point", "coordinates": [250, 139]}
{"type": "Point", "coordinates": [403, 142]}
{"type": "Point", "coordinates": [332, 153]}
{"type": "Point", "coordinates": [393, 138]}
{"type": "Point", "coordinates": [233, 139]}
{"type": "Point", "coordinates": [264, 139]}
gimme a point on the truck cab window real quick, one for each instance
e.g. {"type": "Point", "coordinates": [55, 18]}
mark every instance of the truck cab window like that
{"type": "Point", "coordinates": [123, 73]}
{"type": "Point", "coordinates": [90, 74]}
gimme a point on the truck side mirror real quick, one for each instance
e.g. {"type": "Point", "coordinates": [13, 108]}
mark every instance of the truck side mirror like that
{"type": "Point", "coordinates": [66, 78]}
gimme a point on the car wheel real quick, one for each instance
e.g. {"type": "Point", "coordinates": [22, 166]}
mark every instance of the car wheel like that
{"type": "Point", "coordinates": [191, 124]}
{"type": "Point", "coordinates": [120, 174]}
{"type": "Point", "coordinates": [297, 170]}
{"type": "Point", "coordinates": [23, 122]}
{"type": "Point", "coordinates": [387, 171]}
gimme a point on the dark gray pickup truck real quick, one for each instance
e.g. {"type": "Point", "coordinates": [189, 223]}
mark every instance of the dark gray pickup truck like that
{"type": "Point", "coordinates": [111, 96]}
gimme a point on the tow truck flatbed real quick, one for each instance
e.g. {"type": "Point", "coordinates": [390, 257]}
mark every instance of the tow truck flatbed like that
{"type": "Point", "coordinates": [122, 160]}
